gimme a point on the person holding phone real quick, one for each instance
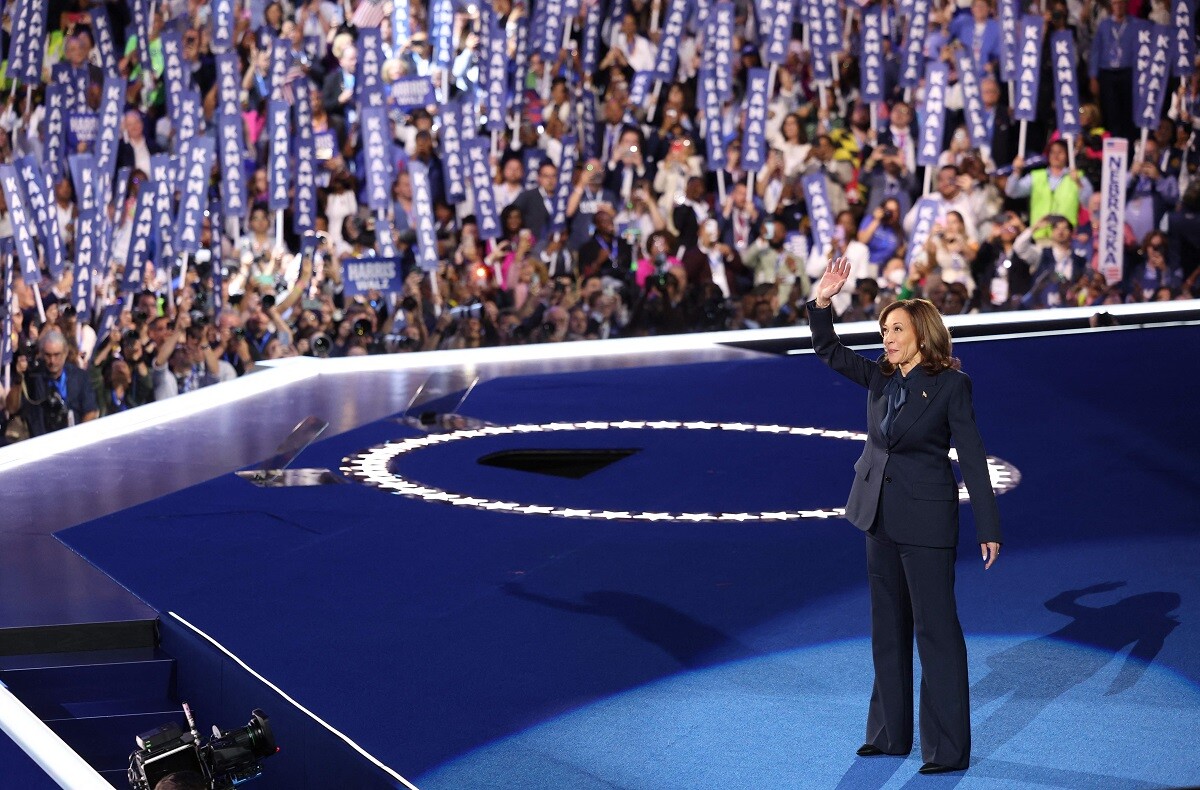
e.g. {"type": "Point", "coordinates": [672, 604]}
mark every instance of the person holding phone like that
{"type": "Point", "coordinates": [905, 498]}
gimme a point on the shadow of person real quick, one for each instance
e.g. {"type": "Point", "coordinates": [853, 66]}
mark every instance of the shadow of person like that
{"type": "Point", "coordinates": [686, 639]}
{"type": "Point", "coordinates": [1035, 673]}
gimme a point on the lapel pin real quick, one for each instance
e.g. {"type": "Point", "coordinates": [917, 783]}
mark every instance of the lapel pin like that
{"type": "Point", "coordinates": [923, 395]}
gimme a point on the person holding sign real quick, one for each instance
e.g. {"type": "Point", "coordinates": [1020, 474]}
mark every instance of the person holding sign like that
{"type": "Point", "coordinates": [905, 499]}
{"type": "Point", "coordinates": [1051, 190]}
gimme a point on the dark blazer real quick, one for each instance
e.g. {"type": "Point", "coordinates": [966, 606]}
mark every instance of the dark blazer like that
{"type": "Point", "coordinates": [533, 211]}
{"type": "Point", "coordinates": [909, 475]}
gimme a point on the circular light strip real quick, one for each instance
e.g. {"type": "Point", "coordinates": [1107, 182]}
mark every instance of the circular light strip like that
{"type": "Point", "coordinates": [371, 467]}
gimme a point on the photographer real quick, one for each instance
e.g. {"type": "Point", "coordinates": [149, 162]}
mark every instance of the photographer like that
{"type": "Point", "coordinates": [772, 265]}
{"type": "Point", "coordinates": [119, 373]}
{"type": "Point", "coordinates": [49, 393]}
{"type": "Point", "coordinates": [185, 361]}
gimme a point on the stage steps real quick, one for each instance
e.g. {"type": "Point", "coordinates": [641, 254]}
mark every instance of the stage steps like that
{"type": "Point", "coordinates": [97, 701]}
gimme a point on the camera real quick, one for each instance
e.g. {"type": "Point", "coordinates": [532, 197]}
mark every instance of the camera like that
{"type": "Point", "coordinates": [268, 301]}
{"type": "Point", "coordinates": [320, 344]}
{"type": "Point", "coordinates": [198, 318]}
{"type": "Point", "coordinates": [28, 349]}
{"type": "Point", "coordinates": [408, 303]}
{"type": "Point", "coordinates": [225, 760]}
{"type": "Point", "coordinates": [140, 316]}
{"type": "Point", "coordinates": [361, 327]}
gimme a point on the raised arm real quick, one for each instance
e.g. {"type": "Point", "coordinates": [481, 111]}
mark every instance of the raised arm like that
{"type": "Point", "coordinates": [826, 343]}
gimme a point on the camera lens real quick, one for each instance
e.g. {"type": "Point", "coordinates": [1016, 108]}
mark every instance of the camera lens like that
{"type": "Point", "coordinates": [268, 301]}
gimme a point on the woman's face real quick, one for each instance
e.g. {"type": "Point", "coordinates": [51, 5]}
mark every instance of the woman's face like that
{"type": "Point", "coordinates": [899, 339]}
{"type": "Point", "coordinates": [954, 223]}
{"type": "Point", "coordinates": [791, 128]}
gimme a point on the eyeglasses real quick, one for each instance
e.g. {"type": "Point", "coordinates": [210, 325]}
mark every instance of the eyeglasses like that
{"type": "Point", "coordinates": [1157, 247]}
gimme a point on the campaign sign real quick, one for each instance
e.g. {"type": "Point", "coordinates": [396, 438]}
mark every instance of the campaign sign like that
{"type": "Point", "coordinates": [82, 292]}
{"type": "Point", "coordinates": [1066, 88]}
{"type": "Point", "coordinates": [385, 240]}
{"type": "Point", "coordinates": [427, 251]}
{"type": "Point", "coordinates": [968, 81]}
{"type": "Point", "coordinates": [551, 19]}
{"type": "Point", "coordinates": [779, 32]}
{"type": "Point", "coordinates": [1183, 44]}
{"type": "Point", "coordinates": [1111, 247]}
{"type": "Point", "coordinates": [925, 214]}
{"type": "Point", "coordinates": [102, 32]}
{"type": "Point", "coordinates": [1152, 63]}
{"type": "Point", "coordinates": [819, 213]}
{"type": "Point", "coordinates": [39, 207]}
{"type": "Point", "coordinates": [710, 103]}
{"type": "Point", "coordinates": [28, 45]}
{"type": "Point", "coordinates": [754, 139]}
{"type": "Point", "coordinates": [520, 65]}
{"type": "Point", "coordinates": [587, 123]}
{"type": "Point", "coordinates": [229, 85]}
{"type": "Point", "coordinates": [368, 83]}
{"type": "Point", "coordinates": [141, 240]}
{"type": "Point", "coordinates": [914, 46]}
{"type": "Point", "coordinates": [441, 21]}
{"type": "Point", "coordinates": [140, 14]}
{"type": "Point", "coordinates": [112, 103]}
{"type": "Point", "coordinates": [933, 123]}
{"type": "Point", "coordinates": [280, 60]}
{"type": "Point", "coordinates": [589, 55]}
{"type": "Point", "coordinates": [453, 162]}
{"type": "Point", "coordinates": [720, 34]}
{"type": "Point", "coordinates": [278, 123]}
{"type": "Point", "coordinates": [304, 201]}
{"type": "Point", "coordinates": [497, 77]}
{"type": "Point", "coordinates": [639, 88]}
{"type": "Point", "coordinates": [171, 42]}
{"type": "Point", "coordinates": [376, 143]}
{"type": "Point", "coordinates": [831, 30]}
{"type": "Point", "coordinates": [400, 23]}
{"type": "Point", "coordinates": [822, 73]}
{"type": "Point", "coordinates": [55, 151]}
{"type": "Point", "coordinates": [361, 275]}
{"type": "Point", "coordinates": [194, 200]}
{"type": "Point", "coordinates": [190, 115]}
{"type": "Point", "coordinates": [222, 17]}
{"type": "Point", "coordinates": [1010, 38]}
{"type": "Point", "coordinates": [480, 171]}
{"type": "Point", "coordinates": [668, 45]}
{"type": "Point", "coordinates": [1029, 59]}
{"type": "Point", "coordinates": [14, 195]}
{"type": "Point", "coordinates": [871, 67]}
{"type": "Point", "coordinates": [233, 177]}
{"type": "Point", "coordinates": [408, 93]}
{"type": "Point", "coordinates": [566, 180]}
{"type": "Point", "coordinates": [162, 173]}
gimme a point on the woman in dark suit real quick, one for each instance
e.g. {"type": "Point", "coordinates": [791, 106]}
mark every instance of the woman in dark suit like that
{"type": "Point", "coordinates": [906, 499]}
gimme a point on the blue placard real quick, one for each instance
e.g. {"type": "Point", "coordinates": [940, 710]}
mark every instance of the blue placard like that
{"type": "Point", "coordinates": [304, 202]}
{"type": "Point", "coordinates": [279, 114]}
{"type": "Point", "coordinates": [427, 252]}
{"type": "Point", "coordinates": [566, 180]}
{"type": "Point", "coordinates": [1029, 58]}
{"type": "Point", "coordinates": [754, 140]}
{"type": "Point", "coordinates": [480, 171]}
{"type": "Point", "coordinates": [1152, 65]}
{"type": "Point", "coordinates": [968, 81]}
{"type": "Point", "coordinates": [376, 141]}
{"type": "Point", "coordinates": [820, 214]}
{"type": "Point", "coordinates": [14, 196]}
{"type": "Point", "coordinates": [408, 93]}
{"type": "Point", "coordinates": [1066, 89]}
{"type": "Point", "coordinates": [933, 120]}
{"type": "Point", "coordinates": [1183, 40]}
{"type": "Point", "coordinates": [141, 240]}
{"type": "Point", "coordinates": [711, 104]}
{"type": "Point", "coordinates": [361, 275]}
{"type": "Point", "coordinates": [194, 200]}
{"type": "Point", "coordinates": [453, 162]}
{"type": "Point", "coordinates": [925, 214]}
{"type": "Point", "coordinates": [871, 67]}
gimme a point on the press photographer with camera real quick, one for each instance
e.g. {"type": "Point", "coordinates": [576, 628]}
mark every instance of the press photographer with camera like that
{"type": "Point", "coordinates": [48, 392]}
{"type": "Point", "coordinates": [185, 361]}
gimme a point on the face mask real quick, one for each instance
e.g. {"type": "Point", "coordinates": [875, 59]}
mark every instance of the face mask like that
{"type": "Point", "coordinates": [896, 277]}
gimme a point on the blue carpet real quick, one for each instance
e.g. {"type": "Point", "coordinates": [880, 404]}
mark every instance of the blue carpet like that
{"type": "Point", "coordinates": [465, 648]}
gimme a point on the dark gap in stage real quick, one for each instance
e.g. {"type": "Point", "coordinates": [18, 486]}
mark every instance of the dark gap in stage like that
{"type": "Point", "coordinates": [574, 464]}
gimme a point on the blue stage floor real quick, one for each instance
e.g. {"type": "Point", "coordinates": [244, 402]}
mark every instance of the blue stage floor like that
{"type": "Point", "coordinates": [468, 646]}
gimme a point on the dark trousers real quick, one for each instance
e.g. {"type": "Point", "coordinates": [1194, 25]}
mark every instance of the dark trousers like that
{"type": "Point", "coordinates": [1116, 102]}
{"type": "Point", "coordinates": [912, 590]}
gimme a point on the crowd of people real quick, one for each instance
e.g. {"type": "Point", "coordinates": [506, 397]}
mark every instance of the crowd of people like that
{"type": "Point", "coordinates": [654, 240]}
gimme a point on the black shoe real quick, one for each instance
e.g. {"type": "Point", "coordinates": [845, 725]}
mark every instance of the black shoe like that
{"type": "Point", "coordinates": [936, 768]}
{"type": "Point", "coordinates": [867, 750]}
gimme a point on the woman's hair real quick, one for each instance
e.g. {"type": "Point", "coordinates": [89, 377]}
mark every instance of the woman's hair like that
{"type": "Point", "coordinates": [933, 338]}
